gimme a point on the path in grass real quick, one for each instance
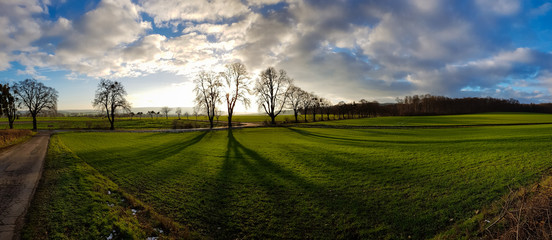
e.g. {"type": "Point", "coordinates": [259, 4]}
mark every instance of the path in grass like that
{"type": "Point", "coordinates": [20, 170]}
{"type": "Point", "coordinates": [319, 183]}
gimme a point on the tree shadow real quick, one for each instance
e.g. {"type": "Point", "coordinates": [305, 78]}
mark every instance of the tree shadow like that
{"type": "Point", "coordinates": [282, 201]}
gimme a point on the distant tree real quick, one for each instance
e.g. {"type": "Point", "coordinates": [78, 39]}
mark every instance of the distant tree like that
{"type": "Point", "coordinates": [325, 107]}
{"type": "Point", "coordinates": [157, 115]}
{"type": "Point", "coordinates": [314, 104]}
{"type": "Point", "coordinates": [187, 115]}
{"type": "Point", "coordinates": [110, 95]}
{"type": "Point", "coordinates": [151, 113]}
{"type": "Point", "coordinates": [236, 83]}
{"type": "Point", "coordinates": [306, 101]}
{"type": "Point", "coordinates": [296, 97]}
{"type": "Point", "coordinates": [208, 92]}
{"type": "Point", "coordinates": [178, 112]}
{"type": "Point", "coordinates": [196, 112]}
{"type": "Point", "coordinates": [36, 97]}
{"type": "Point", "coordinates": [166, 110]}
{"type": "Point", "coordinates": [8, 102]}
{"type": "Point", "coordinates": [140, 114]}
{"type": "Point", "coordinates": [218, 113]}
{"type": "Point", "coordinates": [272, 89]}
{"type": "Point", "coordinates": [131, 114]}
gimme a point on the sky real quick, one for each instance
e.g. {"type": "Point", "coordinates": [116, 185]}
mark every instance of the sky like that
{"type": "Point", "coordinates": [342, 50]}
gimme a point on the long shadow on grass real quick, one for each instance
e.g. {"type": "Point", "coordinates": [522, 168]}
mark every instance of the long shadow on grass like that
{"type": "Point", "coordinates": [254, 196]}
{"type": "Point", "coordinates": [413, 141]}
{"type": "Point", "coordinates": [139, 168]}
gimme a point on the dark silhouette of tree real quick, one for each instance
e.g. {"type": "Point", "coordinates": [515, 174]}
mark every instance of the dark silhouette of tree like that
{"type": "Point", "coordinates": [131, 114]}
{"type": "Point", "coordinates": [8, 102]}
{"type": "Point", "coordinates": [166, 111]}
{"type": "Point", "coordinates": [207, 92]}
{"type": "Point", "coordinates": [36, 97]}
{"type": "Point", "coordinates": [236, 82]}
{"type": "Point", "coordinates": [272, 89]}
{"type": "Point", "coordinates": [296, 98]}
{"type": "Point", "coordinates": [110, 96]}
{"type": "Point", "coordinates": [140, 114]}
{"type": "Point", "coordinates": [314, 104]}
{"type": "Point", "coordinates": [187, 115]}
{"type": "Point", "coordinates": [306, 102]}
{"type": "Point", "coordinates": [178, 112]}
{"type": "Point", "coordinates": [151, 113]}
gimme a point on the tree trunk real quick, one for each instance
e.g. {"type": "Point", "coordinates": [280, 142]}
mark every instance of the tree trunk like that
{"type": "Point", "coordinates": [112, 123]}
{"type": "Point", "coordinates": [211, 122]}
{"type": "Point", "coordinates": [295, 112]}
{"type": "Point", "coordinates": [229, 120]}
{"type": "Point", "coordinates": [273, 118]}
{"type": "Point", "coordinates": [34, 123]}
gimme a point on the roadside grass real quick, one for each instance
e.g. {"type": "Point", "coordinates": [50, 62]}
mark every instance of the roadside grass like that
{"type": "Point", "coordinates": [445, 120]}
{"type": "Point", "coordinates": [51, 123]}
{"type": "Point", "coordinates": [74, 201]}
{"type": "Point", "coordinates": [99, 123]}
{"type": "Point", "coordinates": [11, 137]}
{"type": "Point", "coordinates": [309, 182]}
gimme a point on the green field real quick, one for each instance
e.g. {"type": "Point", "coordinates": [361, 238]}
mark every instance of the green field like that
{"type": "Point", "coordinates": [300, 182]}
{"type": "Point", "coordinates": [51, 123]}
{"type": "Point", "coordinates": [446, 120]}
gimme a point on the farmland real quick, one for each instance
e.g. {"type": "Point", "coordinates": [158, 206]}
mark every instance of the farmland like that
{"type": "Point", "coordinates": [292, 182]}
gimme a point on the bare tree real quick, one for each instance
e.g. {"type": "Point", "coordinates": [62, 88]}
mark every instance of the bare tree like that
{"type": "Point", "coordinates": [140, 114]}
{"type": "Point", "coordinates": [207, 92]}
{"type": "Point", "coordinates": [236, 82]}
{"type": "Point", "coordinates": [166, 111]}
{"type": "Point", "coordinates": [187, 115]}
{"type": "Point", "coordinates": [315, 104]}
{"type": "Point", "coordinates": [178, 112]}
{"type": "Point", "coordinates": [8, 103]}
{"type": "Point", "coordinates": [151, 113]}
{"type": "Point", "coordinates": [296, 98]}
{"type": "Point", "coordinates": [36, 97]}
{"type": "Point", "coordinates": [306, 102]}
{"type": "Point", "coordinates": [272, 90]}
{"type": "Point", "coordinates": [326, 106]}
{"type": "Point", "coordinates": [110, 95]}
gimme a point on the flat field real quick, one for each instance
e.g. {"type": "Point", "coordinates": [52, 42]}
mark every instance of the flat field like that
{"type": "Point", "coordinates": [445, 120]}
{"type": "Point", "coordinates": [297, 182]}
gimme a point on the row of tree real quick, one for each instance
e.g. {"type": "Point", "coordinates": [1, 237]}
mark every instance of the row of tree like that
{"type": "Point", "coordinates": [427, 105]}
{"type": "Point", "coordinates": [274, 89]}
{"type": "Point", "coordinates": [29, 94]}
{"type": "Point", "coordinates": [275, 93]}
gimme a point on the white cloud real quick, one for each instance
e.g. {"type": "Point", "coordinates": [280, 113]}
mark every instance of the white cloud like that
{"type": "Point", "coordinates": [164, 11]}
{"type": "Point", "coordinates": [501, 7]}
{"type": "Point", "coordinates": [19, 28]}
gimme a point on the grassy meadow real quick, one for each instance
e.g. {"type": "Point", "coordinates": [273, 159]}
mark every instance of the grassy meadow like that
{"type": "Point", "coordinates": [445, 120]}
{"type": "Point", "coordinates": [288, 182]}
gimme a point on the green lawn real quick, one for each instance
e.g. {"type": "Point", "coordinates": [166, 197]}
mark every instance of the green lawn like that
{"type": "Point", "coordinates": [315, 182]}
{"type": "Point", "coordinates": [445, 120]}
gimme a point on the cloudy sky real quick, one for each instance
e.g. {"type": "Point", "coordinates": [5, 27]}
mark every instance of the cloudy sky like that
{"type": "Point", "coordinates": [340, 49]}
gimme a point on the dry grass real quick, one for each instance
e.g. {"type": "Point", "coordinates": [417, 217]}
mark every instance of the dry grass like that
{"type": "Point", "coordinates": [526, 214]}
{"type": "Point", "coordinates": [12, 136]}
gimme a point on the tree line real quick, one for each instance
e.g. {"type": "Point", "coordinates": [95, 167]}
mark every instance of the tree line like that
{"type": "Point", "coordinates": [30, 94]}
{"type": "Point", "coordinates": [275, 91]}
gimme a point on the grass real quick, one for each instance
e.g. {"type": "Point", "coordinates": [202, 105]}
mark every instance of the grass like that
{"type": "Point", "coordinates": [316, 182]}
{"type": "Point", "coordinates": [445, 120]}
{"type": "Point", "coordinates": [11, 137]}
{"type": "Point", "coordinates": [101, 123]}
{"type": "Point", "coordinates": [74, 201]}
{"type": "Point", "coordinates": [52, 123]}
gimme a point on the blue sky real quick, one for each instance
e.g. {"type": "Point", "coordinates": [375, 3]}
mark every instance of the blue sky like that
{"type": "Point", "coordinates": [342, 50]}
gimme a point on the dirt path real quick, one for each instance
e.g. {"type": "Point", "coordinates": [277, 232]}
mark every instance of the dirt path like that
{"type": "Point", "coordinates": [20, 170]}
